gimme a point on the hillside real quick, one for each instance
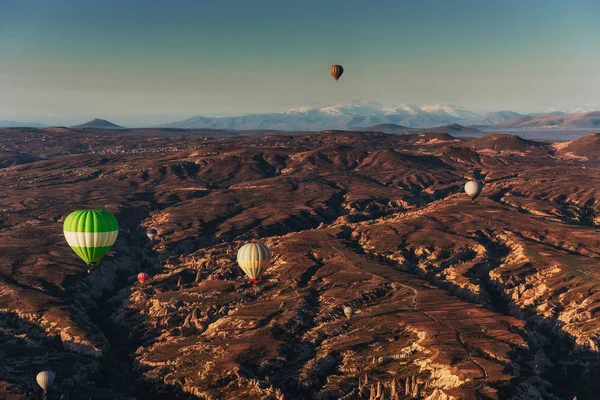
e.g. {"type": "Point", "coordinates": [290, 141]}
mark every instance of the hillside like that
{"type": "Point", "coordinates": [503, 142]}
{"type": "Point", "coordinates": [454, 129]}
{"type": "Point", "coordinates": [586, 148]}
{"type": "Point", "coordinates": [385, 128]}
{"type": "Point", "coordinates": [11, 158]}
{"type": "Point", "coordinates": [432, 138]}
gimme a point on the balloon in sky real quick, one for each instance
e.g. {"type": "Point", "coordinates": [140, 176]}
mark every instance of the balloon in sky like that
{"type": "Point", "coordinates": [254, 259]}
{"type": "Point", "coordinates": [473, 188]}
{"type": "Point", "coordinates": [336, 71]}
{"type": "Point", "coordinates": [45, 379]}
{"type": "Point", "coordinates": [91, 233]}
{"type": "Point", "coordinates": [151, 233]}
{"type": "Point", "coordinates": [143, 278]}
{"type": "Point", "coordinates": [348, 311]}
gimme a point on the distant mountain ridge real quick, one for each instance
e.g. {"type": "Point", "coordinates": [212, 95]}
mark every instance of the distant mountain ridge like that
{"type": "Point", "coordinates": [17, 124]}
{"type": "Point", "coordinates": [98, 123]}
{"type": "Point", "coordinates": [588, 120]}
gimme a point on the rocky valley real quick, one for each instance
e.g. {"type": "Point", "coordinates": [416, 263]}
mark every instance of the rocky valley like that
{"type": "Point", "coordinates": [496, 298]}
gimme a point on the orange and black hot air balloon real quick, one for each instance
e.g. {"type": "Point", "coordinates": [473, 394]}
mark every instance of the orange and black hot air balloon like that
{"type": "Point", "coordinates": [336, 71]}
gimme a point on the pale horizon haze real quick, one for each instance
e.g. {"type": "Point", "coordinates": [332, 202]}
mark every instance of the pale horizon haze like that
{"type": "Point", "coordinates": [150, 62]}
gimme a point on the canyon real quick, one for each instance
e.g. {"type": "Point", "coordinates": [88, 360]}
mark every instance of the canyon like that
{"type": "Point", "coordinates": [496, 298]}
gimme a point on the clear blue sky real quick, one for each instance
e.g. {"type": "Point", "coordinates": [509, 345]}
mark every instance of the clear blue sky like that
{"type": "Point", "coordinates": [153, 61]}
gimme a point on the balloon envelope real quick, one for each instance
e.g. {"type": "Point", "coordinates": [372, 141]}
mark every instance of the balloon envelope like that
{"type": "Point", "coordinates": [143, 277]}
{"type": "Point", "coordinates": [473, 188]}
{"type": "Point", "coordinates": [45, 379]}
{"type": "Point", "coordinates": [254, 259]}
{"type": "Point", "coordinates": [336, 71]}
{"type": "Point", "coordinates": [91, 233]}
{"type": "Point", "coordinates": [348, 311]}
{"type": "Point", "coordinates": [151, 233]}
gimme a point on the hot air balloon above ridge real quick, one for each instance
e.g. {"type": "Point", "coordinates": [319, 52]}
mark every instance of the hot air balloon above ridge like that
{"type": "Point", "coordinates": [91, 234]}
{"type": "Point", "coordinates": [336, 71]}
{"type": "Point", "coordinates": [254, 259]}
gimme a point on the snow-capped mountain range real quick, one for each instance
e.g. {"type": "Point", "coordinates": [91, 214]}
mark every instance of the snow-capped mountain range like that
{"type": "Point", "coordinates": [365, 115]}
{"type": "Point", "coordinates": [350, 116]}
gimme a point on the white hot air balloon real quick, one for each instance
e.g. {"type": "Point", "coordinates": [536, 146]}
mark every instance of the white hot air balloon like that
{"type": "Point", "coordinates": [348, 311]}
{"type": "Point", "coordinates": [45, 379]}
{"type": "Point", "coordinates": [473, 189]}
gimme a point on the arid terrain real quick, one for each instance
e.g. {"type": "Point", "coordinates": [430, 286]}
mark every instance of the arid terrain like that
{"type": "Point", "coordinates": [497, 298]}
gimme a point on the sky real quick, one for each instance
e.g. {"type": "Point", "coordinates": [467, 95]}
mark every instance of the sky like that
{"type": "Point", "coordinates": [147, 62]}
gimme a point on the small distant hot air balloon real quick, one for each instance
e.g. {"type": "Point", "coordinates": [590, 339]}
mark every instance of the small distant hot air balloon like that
{"type": "Point", "coordinates": [143, 278]}
{"type": "Point", "coordinates": [348, 311]}
{"type": "Point", "coordinates": [151, 233]}
{"type": "Point", "coordinates": [45, 379]}
{"type": "Point", "coordinates": [91, 234]}
{"type": "Point", "coordinates": [336, 71]}
{"type": "Point", "coordinates": [473, 188]}
{"type": "Point", "coordinates": [254, 259]}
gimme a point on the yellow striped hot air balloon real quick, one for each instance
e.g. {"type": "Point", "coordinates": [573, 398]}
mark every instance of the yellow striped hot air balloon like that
{"type": "Point", "coordinates": [254, 259]}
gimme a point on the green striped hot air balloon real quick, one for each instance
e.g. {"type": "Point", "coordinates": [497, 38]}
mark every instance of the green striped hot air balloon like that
{"type": "Point", "coordinates": [254, 258]}
{"type": "Point", "coordinates": [91, 233]}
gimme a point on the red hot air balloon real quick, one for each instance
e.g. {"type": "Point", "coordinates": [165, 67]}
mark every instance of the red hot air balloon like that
{"type": "Point", "coordinates": [143, 278]}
